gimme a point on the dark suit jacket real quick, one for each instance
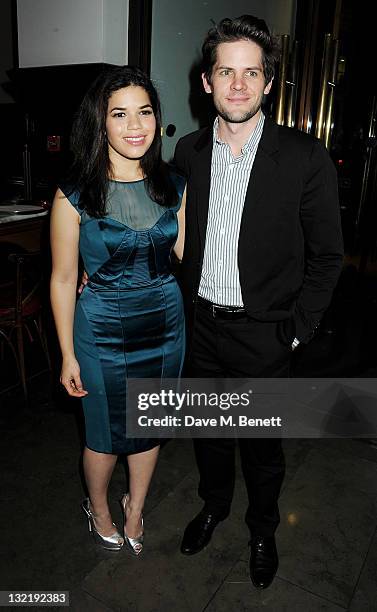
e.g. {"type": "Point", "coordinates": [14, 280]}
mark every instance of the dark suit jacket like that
{"type": "Point", "coordinates": [290, 247]}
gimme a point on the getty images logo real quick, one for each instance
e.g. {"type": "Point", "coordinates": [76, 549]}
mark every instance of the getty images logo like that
{"type": "Point", "coordinates": [189, 399]}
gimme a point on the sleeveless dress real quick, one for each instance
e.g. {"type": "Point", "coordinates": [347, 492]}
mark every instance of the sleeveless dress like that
{"type": "Point", "coordinates": [129, 320]}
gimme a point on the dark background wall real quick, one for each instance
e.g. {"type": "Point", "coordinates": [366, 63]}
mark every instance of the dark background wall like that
{"type": "Point", "coordinates": [6, 47]}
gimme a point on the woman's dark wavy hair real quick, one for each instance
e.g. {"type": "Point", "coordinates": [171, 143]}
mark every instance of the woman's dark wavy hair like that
{"type": "Point", "coordinates": [91, 166]}
{"type": "Point", "coordinates": [245, 27]}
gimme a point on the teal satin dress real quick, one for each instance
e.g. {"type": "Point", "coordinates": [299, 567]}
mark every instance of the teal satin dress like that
{"type": "Point", "coordinates": [129, 320]}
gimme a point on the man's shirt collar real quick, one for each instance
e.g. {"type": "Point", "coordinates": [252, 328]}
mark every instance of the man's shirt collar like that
{"type": "Point", "coordinates": [253, 139]}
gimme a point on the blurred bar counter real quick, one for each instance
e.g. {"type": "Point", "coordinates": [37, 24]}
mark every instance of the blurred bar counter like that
{"type": "Point", "coordinates": [24, 225]}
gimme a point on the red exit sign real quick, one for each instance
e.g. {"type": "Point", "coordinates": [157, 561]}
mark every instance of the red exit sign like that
{"type": "Point", "coordinates": [53, 143]}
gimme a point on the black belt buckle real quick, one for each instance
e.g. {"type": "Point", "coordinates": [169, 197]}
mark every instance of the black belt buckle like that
{"type": "Point", "coordinates": [222, 312]}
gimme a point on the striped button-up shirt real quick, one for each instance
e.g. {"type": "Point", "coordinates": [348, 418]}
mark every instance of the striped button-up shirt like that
{"type": "Point", "coordinates": [220, 282]}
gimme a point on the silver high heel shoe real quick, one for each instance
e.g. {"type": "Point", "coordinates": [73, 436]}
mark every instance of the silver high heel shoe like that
{"type": "Point", "coordinates": [113, 542]}
{"type": "Point", "coordinates": [134, 544]}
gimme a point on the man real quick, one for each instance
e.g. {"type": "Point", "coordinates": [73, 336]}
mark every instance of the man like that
{"type": "Point", "coordinates": [263, 252]}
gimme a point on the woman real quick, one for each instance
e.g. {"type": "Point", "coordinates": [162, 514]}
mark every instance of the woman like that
{"type": "Point", "coordinates": [124, 212]}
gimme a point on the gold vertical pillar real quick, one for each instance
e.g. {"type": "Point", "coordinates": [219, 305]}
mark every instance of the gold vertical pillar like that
{"type": "Point", "coordinates": [367, 163]}
{"type": "Point", "coordinates": [304, 117]}
{"type": "Point", "coordinates": [290, 118]}
{"type": "Point", "coordinates": [322, 101]}
{"type": "Point", "coordinates": [282, 79]}
{"type": "Point", "coordinates": [330, 105]}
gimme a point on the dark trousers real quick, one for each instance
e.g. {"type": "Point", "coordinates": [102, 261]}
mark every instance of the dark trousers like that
{"type": "Point", "coordinates": [240, 348]}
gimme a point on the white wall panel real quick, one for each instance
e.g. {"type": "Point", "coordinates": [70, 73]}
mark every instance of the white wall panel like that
{"type": "Point", "coordinates": [55, 32]}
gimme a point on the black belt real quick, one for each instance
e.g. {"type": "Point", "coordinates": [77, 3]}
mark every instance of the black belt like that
{"type": "Point", "coordinates": [222, 312]}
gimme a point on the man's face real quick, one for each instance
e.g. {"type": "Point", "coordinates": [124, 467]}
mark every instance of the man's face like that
{"type": "Point", "coordinates": [237, 83]}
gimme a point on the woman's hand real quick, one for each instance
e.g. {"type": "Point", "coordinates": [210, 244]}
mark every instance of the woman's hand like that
{"type": "Point", "coordinates": [70, 378]}
{"type": "Point", "coordinates": [84, 282]}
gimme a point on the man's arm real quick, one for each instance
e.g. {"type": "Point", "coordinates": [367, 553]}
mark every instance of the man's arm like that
{"type": "Point", "coordinates": [320, 221]}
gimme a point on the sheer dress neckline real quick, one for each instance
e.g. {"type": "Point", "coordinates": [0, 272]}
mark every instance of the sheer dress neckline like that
{"type": "Point", "coordinates": [129, 203]}
{"type": "Point", "coordinates": [145, 229]}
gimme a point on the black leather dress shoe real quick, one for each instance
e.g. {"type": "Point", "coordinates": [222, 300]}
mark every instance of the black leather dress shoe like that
{"type": "Point", "coordinates": [199, 532]}
{"type": "Point", "coordinates": [264, 561]}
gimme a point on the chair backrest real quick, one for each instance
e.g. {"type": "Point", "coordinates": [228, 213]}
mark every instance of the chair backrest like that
{"type": "Point", "coordinates": [28, 279]}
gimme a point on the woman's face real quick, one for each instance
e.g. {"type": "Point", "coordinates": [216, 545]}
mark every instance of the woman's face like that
{"type": "Point", "coordinates": [130, 123]}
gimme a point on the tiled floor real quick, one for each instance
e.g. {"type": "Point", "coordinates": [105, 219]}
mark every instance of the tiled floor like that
{"type": "Point", "coordinates": [327, 538]}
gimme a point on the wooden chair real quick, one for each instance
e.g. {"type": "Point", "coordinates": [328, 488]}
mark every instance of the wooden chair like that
{"type": "Point", "coordinates": [21, 311]}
